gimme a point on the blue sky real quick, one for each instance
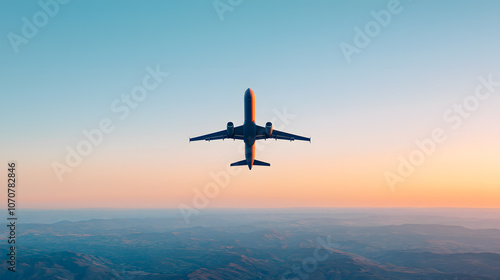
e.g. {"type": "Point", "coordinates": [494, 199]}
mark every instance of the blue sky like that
{"type": "Point", "coordinates": [91, 52]}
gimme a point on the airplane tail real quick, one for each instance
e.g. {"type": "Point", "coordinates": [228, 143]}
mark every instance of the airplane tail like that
{"type": "Point", "coordinates": [258, 162]}
{"type": "Point", "coordinates": [238, 163]}
{"type": "Point", "coordinates": [255, 162]}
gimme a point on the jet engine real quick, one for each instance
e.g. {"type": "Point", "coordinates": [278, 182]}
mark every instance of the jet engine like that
{"type": "Point", "coordinates": [269, 129]}
{"type": "Point", "coordinates": [230, 129]}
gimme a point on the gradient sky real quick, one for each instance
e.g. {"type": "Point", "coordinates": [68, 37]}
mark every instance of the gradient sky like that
{"type": "Point", "coordinates": [361, 115]}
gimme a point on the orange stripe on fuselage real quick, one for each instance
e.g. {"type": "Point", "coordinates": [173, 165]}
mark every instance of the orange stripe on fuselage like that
{"type": "Point", "coordinates": [249, 105]}
{"type": "Point", "coordinates": [249, 127]}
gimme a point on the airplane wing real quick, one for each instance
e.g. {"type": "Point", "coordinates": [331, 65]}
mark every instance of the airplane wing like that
{"type": "Point", "coordinates": [238, 134]}
{"type": "Point", "coordinates": [278, 135]}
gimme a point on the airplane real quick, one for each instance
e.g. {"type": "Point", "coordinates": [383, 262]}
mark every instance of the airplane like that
{"type": "Point", "coordinates": [249, 132]}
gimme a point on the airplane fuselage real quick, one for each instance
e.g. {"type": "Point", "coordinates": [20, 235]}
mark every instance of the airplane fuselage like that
{"type": "Point", "coordinates": [249, 127]}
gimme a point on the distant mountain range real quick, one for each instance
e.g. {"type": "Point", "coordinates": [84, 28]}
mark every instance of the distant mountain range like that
{"type": "Point", "coordinates": [255, 245]}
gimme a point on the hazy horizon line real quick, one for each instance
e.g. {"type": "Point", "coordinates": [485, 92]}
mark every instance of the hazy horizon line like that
{"type": "Point", "coordinates": [270, 208]}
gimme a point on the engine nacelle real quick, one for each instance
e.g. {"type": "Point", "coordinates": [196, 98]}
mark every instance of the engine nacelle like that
{"type": "Point", "coordinates": [230, 129]}
{"type": "Point", "coordinates": [269, 129]}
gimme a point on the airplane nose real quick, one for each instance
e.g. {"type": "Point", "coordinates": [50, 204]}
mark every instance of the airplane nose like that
{"type": "Point", "coordinates": [248, 92]}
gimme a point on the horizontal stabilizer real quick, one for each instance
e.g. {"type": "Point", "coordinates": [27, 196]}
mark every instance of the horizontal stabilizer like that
{"type": "Point", "coordinates": [238, 163]}
{"type": "Point", "coordinates": [258, 162]}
